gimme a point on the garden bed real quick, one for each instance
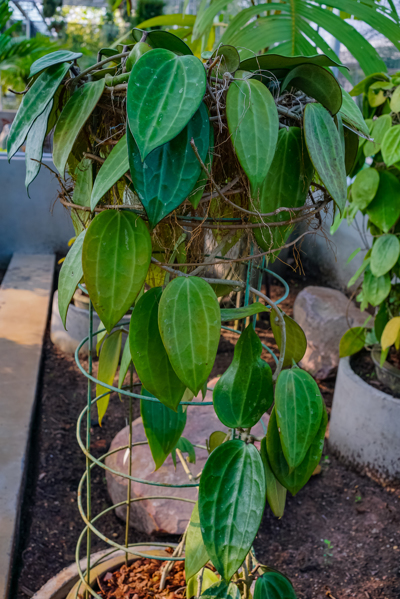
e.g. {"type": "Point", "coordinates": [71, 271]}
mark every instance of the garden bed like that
{"type": "Point", "coordinates": [363, 365]}
{"type": "Point", "coordinates": [338, 537]}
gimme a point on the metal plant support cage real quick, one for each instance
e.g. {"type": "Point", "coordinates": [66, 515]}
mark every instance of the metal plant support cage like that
{"type": "Point", "coordinates": [91, 520]}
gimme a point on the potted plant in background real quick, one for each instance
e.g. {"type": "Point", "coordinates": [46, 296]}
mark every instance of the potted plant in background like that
{"type": "Point", "coordinates": [375, 193]}
{"type": "Point", "coordinates": [167, 163]}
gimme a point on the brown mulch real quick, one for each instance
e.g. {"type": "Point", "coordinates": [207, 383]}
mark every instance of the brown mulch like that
{"type": "Point", "coordinates": [339, 536]}
{"type": "Point", "coordinates": [141, 580]}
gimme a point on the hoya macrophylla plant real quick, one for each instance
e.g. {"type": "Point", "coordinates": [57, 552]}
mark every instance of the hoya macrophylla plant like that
{"type": "Point", "coordinates": [171, 165]}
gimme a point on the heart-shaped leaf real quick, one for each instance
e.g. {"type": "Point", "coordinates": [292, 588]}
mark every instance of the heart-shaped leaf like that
{"type": "Point", "coordinates": [196, 555]}
{"type": "Point", "coordinates": [364, 188]}
{"type": "Point", "coordinates": [295, 480]}
{"type": "Point", "coordinates": [108, 364]}
{"type": "Point", "coordinates": [163, 39]}
{"type": "Point", "coordinates": [253, 123]}
{"type": "Point", "coordinates": [296, 342]}
{"type": "Point", "coordinates": [376, 289]}
{"type": "Point", "coordinates": [298, 407]}
{"type": "Point", "coordinates": [245, 391]}
{"type": "Point", "coordinates": [384, 210]}
{"type": "Point", "coordinates": [317, 82]}
{"type": "Point", "coordinates": [168, 174]}
{"type": "Point", "coordinates": [221, 590]}
{"type": "Point", "coordinates": [34, 145]}
{"type": "Point", "coordinates": [276, 493]}
{"type": "Point", "coordinates": [229, 60]}
{"type": "Point", "coordinates": [384, 255]}
{"type": "Point", "coordinates": [51, 59]}
{"type": "Point", "coordinates": [70, 274]}
{"type": "Point", "coordinates": [239, 313]}
{"type": "Point", "coordinates": [326, 152]}
{"type": "Point", "coordinates": [190, 325]}
{"type": "Point", "coordinates": [273, 585]}
{"type": "Point", "coordinates": [231, 504]}
{"type": "Point", "coordinates": [33, 104]}
{"type": "Point", "coordinates": [162, 426]}
{"type": "Point", "coordinates": [164, 92]}
{"type": "Point", "coordinates": [148, 353]}
{"type": "Point", "coordinates": [115, 166]}
{"type": "Point", "coordinates": [115, 259]}
{"type": "Point", "coordinates": [74, 115]}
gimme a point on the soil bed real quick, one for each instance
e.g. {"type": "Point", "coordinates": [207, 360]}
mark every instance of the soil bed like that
{"type": "Point", "coordinates": [339, 537]}
{"type": "Point", "coordinates": [364, 367]}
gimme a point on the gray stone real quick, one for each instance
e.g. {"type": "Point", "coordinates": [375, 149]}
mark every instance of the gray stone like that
{"type": "Point", "coordinates": [364, 424]}
{"type": "Point", "coordinates": [157, 514]}
{"type": "Point", "coordinates": [325, 315]}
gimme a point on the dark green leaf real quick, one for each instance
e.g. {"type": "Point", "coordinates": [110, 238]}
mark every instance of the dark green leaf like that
{"type": "Point", "coordinates": [273, 585]}
{"type": "Point", "coordinates": [164, 39]}
{"type": "Point", "coordinates": [253, 124]}
{"type": "Point", "coordinates": [70, 274]}
{"type": "Point", "coordinates": [239, 313]}
{"type": "Point", "coordinates": [295, 480]}
{"type": "Point", "coordinates": [376, 289]}
{"type": "Point", "coordinates": [381, 320]}
{"type": "Point", "coordinates": [364, 188]}
{"type": "Point", "coordinates": [317, 82]}
{"type": "Point", "coordinates": [276, 493]}
{"type": "Point", "coordinates": [169, 173]}
{"type": "Point", "coordinates": [351, 144]}
{"type": "Point", "coordinates": [384, 210]}
{"type": "Point", "coordinates": [298, 407]}
{"type": "Point", "coordinates": [326, 152]}
{"type": "Point", "coordinates": [163, 90]}
{"type": "Point", "coordinates": [34, 145]}
{"type": "Point", "coordinates": [125, 363]}
{"type": "Point", "coordinates": [221, 590]}
{"type": "Point", "coordinates": [352, 341]}
{"type": "Point", "coordinates": [198, 190]}
{"type": "Point", "coordinates": [231, 504]}
{"type": "Point", "coordinates": [184, 446]}
{"type": "Point", "coordinates": [51, 59]}
{"type": "Point", "coordinates": [33, 104]}
{"type": "Point", "coordinates": [270, 62]}
{"type": "Point", "coordinates": [196, 555]}
{"type": "Point", "coordinates": [391, 146]}
{"type": "Point", "coordinates": [116, 257]}
{"type": "Point", "coordinates": [351, 114]}
{"type": "Point", "coordinates": [74, 115]}
{"type": "Point", "coordinates": [189, 321]}
{"type": "Point", "coordinates": [384, 255]}
{"type": "Point", "coordinates": [108, 364]}
{"type": "Point", "coordinates": [296, 342]}
{"type": "Point", "coordinates": [148, 353]}
{"type": "Point", "coordinates": [115, 166]}
{"type": "Point", "coordinates": [245, 391]}
{"type": "Point", "coordinates": [162, 426]}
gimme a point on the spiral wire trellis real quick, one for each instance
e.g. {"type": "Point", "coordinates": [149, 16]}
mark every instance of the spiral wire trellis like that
{"type": "Point", "coordinates": [85, 508]}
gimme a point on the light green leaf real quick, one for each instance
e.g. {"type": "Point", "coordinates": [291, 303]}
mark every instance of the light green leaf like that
{"type": "Point", "coordinates": [51, 59]}
{"type": "Point", "coordinates": [364, 188]}
{"type": "Point", "coordinates": [162, 426]}
{"type": "Point", "coordinates": [324, 147]}
{"type": "Point", "coordinates": [108, 364]}
{"type": "Point", "coordinates": [376, 289]}
{"type": "Point", "coordinates": [276, 493]}
{"type": "Point", "coordinates": [231, 503]}
{"type": "Point", "coordinates": [189, 321]}
{"type": "Point", "coordinates": [384, 255]}
{"type": "Point", "coordinates": [391, 146]}
{"type": "Point", "coordinates": [378, 131]}
{"type": "Point", "coordinates": [168, 20]}
{"type": "Point", "coordinates": [125, 363]}
{"type": "Point", "coordinates": [239, 313]}
{"type": "Point", "coordinates": [359, 272]}
{"type": "Point", "coordinates": [272, 585]}
{"type": "Point", "coordinates": [353, 255]}
{"type": "Point", "coordinates": [296, 342]}
{"type": "Point", "coordinates": [229, 62]}
{"type": "Point", "coordinates": [216, 438]}
{"type": "Point", "coordinates": [196, 555]}
{"type": "Point", "coordinates": [33, 104]}
{"type": "Point", "coordinates": [73, 117]}
{"type": "Point", "coordinates": [375, 94]}
{"type": "Point", "coordinates": [317, 82]}
{"type": "Point", "coordinates": [363, 85]}
{"type": "Point", "coordinates": [253, 124]}
{"type": "Point", "coordinates": [352, 341]}
{"type": "Point", "coordinates": [164, 92]}
{"type": "Point", "coordinates": [222, 590]}
{"type": "Point", "coordinates": [395, 100]}
{"type": "Point", "coordinates": [351, 114]}
{"type": "Point", "coordinates": [116, 257]}
{"type": "Point", "coordinates": [70, 274]}
{"type": "Point", "coordinates": [298, 407]}
{"type": "Point", "coordinates": [384, 210]}
{"type": "Point", "coordinates": [115, 167]}
{"type": "Point", "coordinates": [209, 578]}
{"type": "Point", "coordinates": [245, 391]}
{"type": "Point", "coordinates": [148, 353]}
{"type": "Point", "coordinates": [34, 145]}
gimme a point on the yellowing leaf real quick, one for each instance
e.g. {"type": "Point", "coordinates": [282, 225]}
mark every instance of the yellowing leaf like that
{"type": "Point", "coordinates": [390, 332]}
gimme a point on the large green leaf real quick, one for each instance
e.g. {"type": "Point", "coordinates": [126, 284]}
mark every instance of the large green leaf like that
{"type": "Point", "coordinates": [108, 364]}
{"type": "Point", "coordinates": [296, 342]}
{"type": "Point", "coordinates": [352, 341]}
{"type": "Point", "coordinates": [273, 585]}
{"type": "Point", "coordinates": [286, 185]}
{"type": "Point", "coordinates": [317, 82]}
{"type": "Point", "coordinates": [164, 39]}
{"type": "Point", "coordinates": [231, 504]}
{"type": "Point", "coordinates": [162, 426]}
{"type": "Point", "coordinates": [364, 188]}
{"type": "Point", "coordinates": [363, 85]}
{"type": "Point", "coordinates": [239, 313]}
{"type": "Point", "coordinates": [276, 493]}
{"type": "Point", "coordinates": [298, 407]}
{"type": "Point", "coordinates": [189, 320]}
{"type": "Point", "coordinates": [384, 210]}
{"type": "Point", "coordinates": [148, 353]}
{"type": "Point", "coordinates": [222, 590]}
{"type": "Point", "coordinates": [351, 114]}
{"type": "Point", "coordinates": [391, 146]}
{"type": "Point", "coordinates": [70, 274]}
{"type": "Point", "coordinates": [253, 123]}
{"type": "Point", "coordinates": [326, 153]}
{"type": "Point", "coordinates": [376, 289]}
{"type": "Point", "coordinates": [33, 104]}
{"type": "Point", "coordinates": [245, 391]}
{"type": "Point", "coordinates": [51, 59]}
{"type": "Point", "coordinates": [169, 173]}
{"type": "Point", "coordinates": [164, 92]}
{"type": "Point", "coordinates": [384, 255]}
{"type": "Point", "coordinates": [115, 166]}
{"type": "Point", "coordinates": [295, 480]}
{"type": "Point", "coordinates": [116, 257]}
{"type": "Point", "coordinates": [270, 62]}
{"type": "Point", "coordinates": [74, 115]}
{"type": "Point", "coordinates": [34, 145]}
{"type": "Point", "coordinates": [196, 555]}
